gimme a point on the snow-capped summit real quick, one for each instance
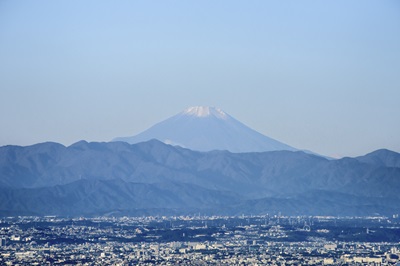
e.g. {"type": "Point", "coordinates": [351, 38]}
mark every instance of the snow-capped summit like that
{"type": "Point", "coordinates": [206, 128]}
{"type": "Point", "coordinates": [204, 111]}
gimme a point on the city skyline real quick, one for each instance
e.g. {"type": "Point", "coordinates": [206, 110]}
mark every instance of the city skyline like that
{"type": "Point", "coordinates": [316, 76]}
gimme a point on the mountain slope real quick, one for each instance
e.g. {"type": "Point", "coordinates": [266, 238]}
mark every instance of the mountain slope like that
{"type": "Point", "coordinates": [51, 178]}
{"type": "Point", "coordinates": [205, 129]}
{"type": "Point", "coordinates": [381, 157]}
{"type": "Point", "coordinates": [320, 202]}
{"type": "Point", "coordinates": [91, 197]}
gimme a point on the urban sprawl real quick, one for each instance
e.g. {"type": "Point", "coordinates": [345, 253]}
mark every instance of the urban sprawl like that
{"type": "Point", "coordinates": [200, 240]}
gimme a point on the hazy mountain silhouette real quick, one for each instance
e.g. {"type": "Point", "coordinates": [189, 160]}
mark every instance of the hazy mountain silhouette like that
{"type": "Point", "coordinates": [97, 178]}
{"type": "Point", "coordinates": [381, 157]}
{"type": "Point", "coordinates": [206, 128]}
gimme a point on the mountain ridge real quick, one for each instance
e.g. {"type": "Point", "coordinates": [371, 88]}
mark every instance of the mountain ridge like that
{"type": "Point", "coordinates": [383, 157]}
{"type": "Point", "coordinates": [126, 174]}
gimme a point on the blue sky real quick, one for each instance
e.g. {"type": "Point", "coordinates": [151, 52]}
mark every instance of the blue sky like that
{"type": "Point", "coordinates": [317, 75]}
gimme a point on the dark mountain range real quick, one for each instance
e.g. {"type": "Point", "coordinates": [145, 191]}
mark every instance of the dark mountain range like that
{"type": "Point", "coordinates": [152, 177]}
{"type": "Point", "coordinates": [94, 197]}
{"type": "Point", "coordinates": [381, 157]}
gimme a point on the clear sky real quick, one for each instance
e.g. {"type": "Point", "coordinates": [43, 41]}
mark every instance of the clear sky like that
{"type": "Point", "coordinates": [317, 75]}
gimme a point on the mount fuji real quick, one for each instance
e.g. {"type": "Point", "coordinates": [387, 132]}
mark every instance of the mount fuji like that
{"type": "Point", "coordinates": [204, 128]}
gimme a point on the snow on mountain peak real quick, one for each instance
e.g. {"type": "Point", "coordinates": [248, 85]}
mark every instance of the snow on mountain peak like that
{"type": "Point", "coordinates": [204, 128]}
{"type": "Point", "coordinates": [205, 111]}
